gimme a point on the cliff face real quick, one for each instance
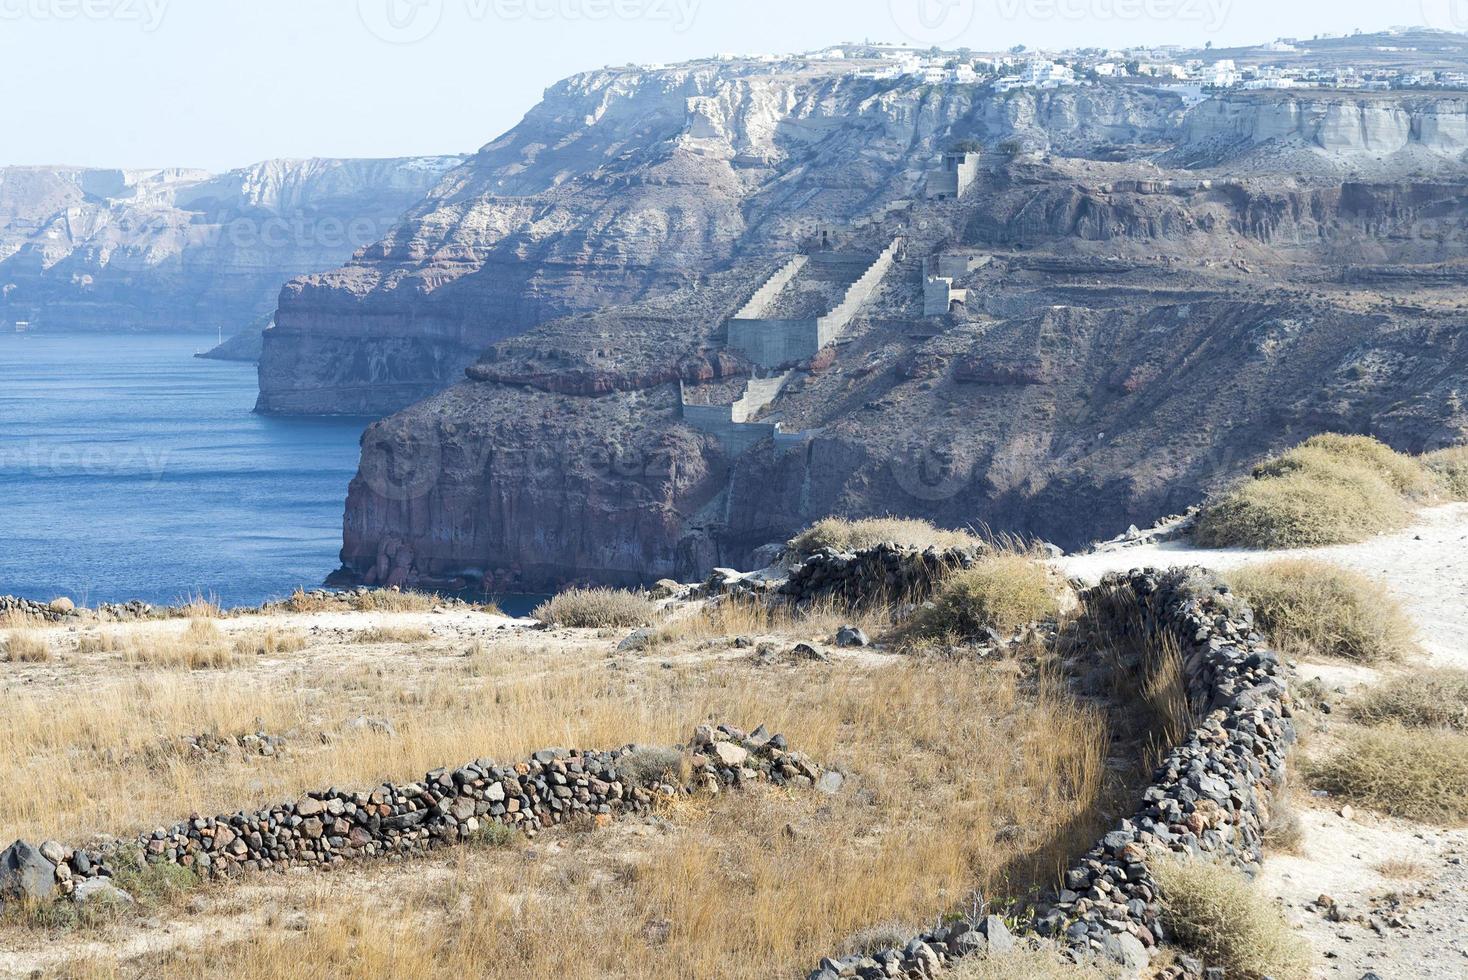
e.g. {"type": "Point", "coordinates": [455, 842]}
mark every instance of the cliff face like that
{"type": "Point", "coordinates": [628, 184]}
{"type": "Point", "coordinates": [1335, 130]}
{"type": "Point", "coordinates": [1130, 345]}
{"type": "Point", "coordinates": [186, 250]}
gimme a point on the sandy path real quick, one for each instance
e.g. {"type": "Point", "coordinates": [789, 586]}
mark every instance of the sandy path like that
{"type": "Point", "coordinates": [1425, 566]}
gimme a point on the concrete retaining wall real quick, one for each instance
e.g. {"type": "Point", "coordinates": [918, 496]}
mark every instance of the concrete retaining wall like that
{"type": "Point", "coordinates": [760, 302]}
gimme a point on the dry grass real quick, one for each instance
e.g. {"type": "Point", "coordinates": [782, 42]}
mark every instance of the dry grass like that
{"type": "Point", "coordinates": [1023, 963]}
{"type": "Point", "coordinates": [1215, 912]}
{"type": "Point", "coordinates": [963, 779]}
{"type": "Point", "coordinates": [269, 642]}
{"type": "Point", "coordinates": [375, 600]}
{"type": "Point", "coordinates": [26, 647]}
{"type": "Point", "coordinates": [1451, 469]}
{"type": "Point", "coordinates": [1313, 608]}
{"type": "Point", "coordinates": [729, 617]}
{"type": "Point", "coordinates": [1330, 490]}
{"type": "Point", "coordinates": [1421, 699]}
{"type": "Point", "coordinates": [1403, 869]}
{"type": "Point", "coordinates": [1416, 774]}
{"type": "Point", "coordinates": [840, 534]}
{"type": "Point", "coordinates": [597, 609]}
{"type": "Point", "coordinates": [394, 634]}
{"type": "Point", "coordinates": [200, 646]}
{"type": "Point", "coordinates": [1001, 593]}
{"type": "Point", "coordinates": [16, 620]}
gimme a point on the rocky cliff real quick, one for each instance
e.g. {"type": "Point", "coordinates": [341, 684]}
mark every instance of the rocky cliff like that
{"type": "Point", "coordinates": [1129, 345]}
{"type": "Point", "coordinates": [187, 250]}
{"type": "Point", "coordinates": [628, 184]}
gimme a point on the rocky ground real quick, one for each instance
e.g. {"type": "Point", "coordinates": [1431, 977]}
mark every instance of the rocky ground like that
{"type": "Point", "coordinates": [1375, 895]}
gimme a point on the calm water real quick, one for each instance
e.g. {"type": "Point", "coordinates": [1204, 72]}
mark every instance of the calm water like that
{"type": "Point", "coordinates": [129, 469]}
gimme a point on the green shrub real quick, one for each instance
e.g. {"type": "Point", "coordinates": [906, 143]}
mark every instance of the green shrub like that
{"type": "Point", "coordinates": [1316, 609]}
{"type": "Point", "coordinates": [1001, 593]}
{"type": "Point", "coordinates": [596, 609]}
{"type": "Point", "coordinates": [1215, 913]}
{"type": "Point", "coordinates": [1450, 466]}
{"type": "Point", "coordinates": [1427, 699]}
{"type": "Point", "coordinates": [840, 534]}
{"type": "Point", "coordinates": [1329, 490]}
{"type": "Point", "coordinates": [1411, 773]}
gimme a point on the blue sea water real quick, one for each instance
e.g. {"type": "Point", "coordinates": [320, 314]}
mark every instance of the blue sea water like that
{"type": "Point", "coordinates": [129, 469]}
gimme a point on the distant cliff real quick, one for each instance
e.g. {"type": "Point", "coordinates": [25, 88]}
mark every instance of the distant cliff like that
{"type": "Point", "coordinates": [627, 184]}
{"type": "Point", "coordinates": [88, 249]}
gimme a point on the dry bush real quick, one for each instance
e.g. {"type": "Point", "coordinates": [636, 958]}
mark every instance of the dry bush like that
{"type": "Point", "coordinates": [1284, 833]}
{"type": "Point", "coordinates": [393, 634]}
{"type": "Point", "coordinates": [269, 642]}
{"type": "Point", "coordinates": [597, 609]}
{"type": "Point", "coordinates": [1023, 963]}
{"type": "Point", "coordinates": [1451, 469]}
{"type": "Point", "coordinates": [650, 765]}
{"type": "Point", "coordinates": [1001, 593]}
{"type": "Point", "coordinates": [840, 534]}
{"type": "Point", "coordinates": [1416, 774]}
{"type": "Point", "coordinates": [1215, 912]}
{"type": "Point", "coordinates": [1330, 490]}
{"type": "Point", "coordinates": [1403, 869]}
{"type": "Point", "coordinates": [200, 646]}
{"type": "Point", "coordinates": [733, 616]}
{"type": "Point", "coordinates": [100, 641]}
{"type": "Point", "coordinates": [197, 606]}
{"type": "Point", "coordinates": [374, 600]}
{"type": "Point", "coordinates": [1313, 608]}
{"type": "Point", "coordinates": [963, 779]}
{"type": "Point", "coordinates": [26, 647]}
{"type": "Point", "coordinates": [1422, 699]}
{"type": "Point", "coordinates": [14, 619]}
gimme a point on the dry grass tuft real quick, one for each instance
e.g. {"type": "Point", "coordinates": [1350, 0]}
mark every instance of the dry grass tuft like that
{"type": "Point", "coordinates": [1417, 774]}
{"type": "Point", "coordinates": [27, 647]}
{"type": "Point", "coordinates": [1422, 699]}
{"type": "Point", "coordinates": [841, 534]}
{"type": "Point", "coordinates": [1023, 963]}
{"type": "Point", "coordinates": [200, 646]}
{"type": "Point", "coordinates": [1000, 593]}
{"type": "Point", "coordinates": [393, 634]}
{"type": "Point", "coordinates": [269, 642]}
{"type": "Point", "coordinates": [1403, 869]}
{"type": "Point", "coordinates": [597, 609]}
{"type": "Point", "coordinates": [1451, 469]}
{"type": "Point", "coordinates": [1313, 608]}
{"type": "Point", "coordinates": [1330, 490]}
{"type": "Point", "coordinates": [1216, 913]}
{"type": "Point", "coordinates": [374, 600]}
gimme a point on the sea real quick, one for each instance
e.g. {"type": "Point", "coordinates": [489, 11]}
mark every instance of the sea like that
{"type": "Point", "coordinates": [131, 469]}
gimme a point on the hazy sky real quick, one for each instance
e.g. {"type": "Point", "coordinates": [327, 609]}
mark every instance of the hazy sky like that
{"type": "Point", "coordinates": [222, 83]}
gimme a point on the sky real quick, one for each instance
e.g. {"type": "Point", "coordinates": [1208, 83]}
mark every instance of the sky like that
{"type": "Point", "coordinates": [218, 84]}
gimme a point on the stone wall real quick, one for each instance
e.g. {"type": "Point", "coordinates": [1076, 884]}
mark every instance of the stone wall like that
{"type": "Point", "coordinates": [888, 572]}
{"type": "Point", "coordinates": [759, 303]}
{"type": "Point", "coordinates": [1209, 800]}
{"type": "Point", "coordinates": [447, 806]}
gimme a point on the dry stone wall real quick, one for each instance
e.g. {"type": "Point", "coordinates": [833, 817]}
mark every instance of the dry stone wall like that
{"type": "Point", "coordinates": [1209, 800]}
{"type": "Point", "coordinates": [447, 806]}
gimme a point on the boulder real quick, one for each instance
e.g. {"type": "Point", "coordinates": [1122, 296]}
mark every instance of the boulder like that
{"type": "Point", "coordinates": [100, 891]}
{"type": "Point", "coordinates": [62, 605]}
{"type": "Point", "coordinates": [730, 755]}
{"type": "Point", "coordinates": [25, 874]}
{"type": "Point", "coordinates": [851, 636]}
